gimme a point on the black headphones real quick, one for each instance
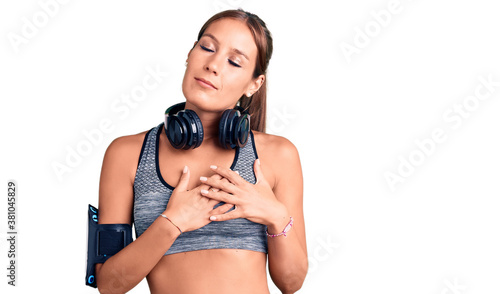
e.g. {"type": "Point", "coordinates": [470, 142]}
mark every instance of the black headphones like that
{"type": "Point", "coordinates": [184, 129]}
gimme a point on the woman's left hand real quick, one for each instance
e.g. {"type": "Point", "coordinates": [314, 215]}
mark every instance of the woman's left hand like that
{"type": "Point", "coordinates": [256, 203]}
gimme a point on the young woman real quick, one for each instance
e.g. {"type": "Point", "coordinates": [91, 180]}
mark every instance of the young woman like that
{"type": "Point", "coordinates": [187, 240]}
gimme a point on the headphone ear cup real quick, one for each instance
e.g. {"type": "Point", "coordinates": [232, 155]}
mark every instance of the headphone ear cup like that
{"type": "Point", "coordinates": [186, 120]}
{"type": "Point", "coordinates": [176, 131]}
{"type": "Point", "coordinates": [233, 129]}
{"type": "Point", "coordinates": [224, 129]}
{"type": "Point", "coordinates": [195, 129]}
{"type": "Point", "coordinates": [242, 130]}
{"type": "Point", "coordinates": [183, 127]}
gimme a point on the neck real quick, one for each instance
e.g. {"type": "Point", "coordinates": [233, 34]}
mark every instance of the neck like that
{"type": "Point", "coordinates": [209, 120]}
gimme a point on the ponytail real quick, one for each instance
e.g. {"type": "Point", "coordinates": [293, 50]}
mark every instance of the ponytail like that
{"type": "Point", "coordinates": [256, 107]}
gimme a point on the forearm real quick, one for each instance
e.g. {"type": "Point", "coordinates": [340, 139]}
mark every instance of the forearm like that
{"type": "Point", "coordinates": [127, 268]}
{"type": "Point", "coordinates": [287, 259]}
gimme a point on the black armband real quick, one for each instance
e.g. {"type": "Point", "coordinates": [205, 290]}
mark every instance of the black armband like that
{"type": "Point", "coordinates": [104, 241]}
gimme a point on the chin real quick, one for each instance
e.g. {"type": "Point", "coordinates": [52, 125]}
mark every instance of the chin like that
{"type": "Point", "coordinates": [201, 100]}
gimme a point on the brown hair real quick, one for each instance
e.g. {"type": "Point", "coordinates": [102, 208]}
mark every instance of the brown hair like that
{"type": "Point", "coordinates": [256, 104]}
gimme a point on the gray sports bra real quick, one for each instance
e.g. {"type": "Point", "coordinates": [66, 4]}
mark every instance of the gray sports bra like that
{"type": "Point", "coordinates": [151, 195]}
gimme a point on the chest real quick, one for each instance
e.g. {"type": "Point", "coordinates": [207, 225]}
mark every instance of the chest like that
{"type": "Point", "coordinates": [171, 162]}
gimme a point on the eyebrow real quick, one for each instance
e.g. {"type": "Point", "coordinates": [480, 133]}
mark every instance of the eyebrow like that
{"type": "Point", "coordinates": [232, 49]}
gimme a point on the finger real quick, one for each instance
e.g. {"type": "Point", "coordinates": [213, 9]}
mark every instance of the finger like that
{"type": "Point", "coordinates": [213, 203]}
{"type": "Point", "coordinates": [259, 176]}
{"type": "Point", "coordinates": [224, 180]}
{"type": "Point", "coordinates": [236, 213]}
{"type": "Point", "coordinates": [222, 209]}
{"type": "Point", "coordinates": [229, 174]}
{"type": "Point", "coordinates": [206, 187]}
{"type": "Point", "coordinates": [219, 184]}
{"type": "Point", "coordinates": [220, 196]}
{"type": "Point", "coordinates": [216, 189]}
{"type": "Point", "coordinates": [184, 180]}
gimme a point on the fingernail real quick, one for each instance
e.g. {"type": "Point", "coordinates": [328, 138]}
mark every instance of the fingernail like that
{"type": "Point", "coordinates": [212, 218]}
{"type": "Point", "coordinates": [185, 170]}
{"type": "Point", "coordinates": [204, 192]}
{"type": "Point", "coordinates": [203, 179]}
{"type": "Point", "coordinates": [258, 161]}
{"type": "Point", "coordinates": [237, 172]}
{"type": "Point", "coordinates": [213, 167]}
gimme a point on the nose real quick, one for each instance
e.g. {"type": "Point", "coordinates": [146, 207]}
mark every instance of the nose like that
{"type": "Point", "coordinates": [212, 65]}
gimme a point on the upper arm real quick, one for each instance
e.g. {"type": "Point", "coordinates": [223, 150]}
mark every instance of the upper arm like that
{"type": "Point", "coordinates": [116, 195]}
{"type": "Point", "coordinates": [117, 179]}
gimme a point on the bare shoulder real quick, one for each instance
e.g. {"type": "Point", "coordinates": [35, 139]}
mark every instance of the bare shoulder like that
{"type": "Point", "coordinates": [125, 148]}
{"type": "Point", "coordinates": [274, 145]}
{"type": "Point", "coordinates": [278, 156]}
{"type": "Point", "coordinates": [117, 178]}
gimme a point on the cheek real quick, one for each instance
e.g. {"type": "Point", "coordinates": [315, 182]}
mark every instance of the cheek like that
{"type": "Point", "coordinates": [236, 84]}
{"type": "Point", "coordinates": [185, 80]}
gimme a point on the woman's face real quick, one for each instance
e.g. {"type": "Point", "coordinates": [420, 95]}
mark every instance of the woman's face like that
{"type": "Point", "coordinates": [220, 66]}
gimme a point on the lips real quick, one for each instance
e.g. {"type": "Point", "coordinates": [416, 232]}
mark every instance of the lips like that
{"type": "Point", "coordinates": [205, 83]}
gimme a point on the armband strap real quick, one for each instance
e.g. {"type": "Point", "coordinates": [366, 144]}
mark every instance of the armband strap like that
{"type": "Point", "coordinates": [104, 241]}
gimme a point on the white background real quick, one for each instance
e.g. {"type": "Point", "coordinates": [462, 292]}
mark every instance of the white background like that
{"type": "Point", "coordinates": [353, 118]}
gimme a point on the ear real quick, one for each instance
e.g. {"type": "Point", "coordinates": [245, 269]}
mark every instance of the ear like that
{"type": "Point", "coordinates": [255, 85]}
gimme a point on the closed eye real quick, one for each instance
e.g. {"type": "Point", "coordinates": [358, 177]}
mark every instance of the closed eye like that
{"type": "Point", "coordinates": [233, 63]}
{"type": "Point", "coordinates": [230, 61]}
{"type": "Point", "coordinates": [206, 49]}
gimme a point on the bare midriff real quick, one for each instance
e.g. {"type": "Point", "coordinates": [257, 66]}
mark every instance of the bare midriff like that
{"type": "Point", "coordinates": [221, 271]}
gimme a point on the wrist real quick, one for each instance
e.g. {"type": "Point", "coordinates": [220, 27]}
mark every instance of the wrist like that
{"type": "Point", "coordinates": [285, 231]}
{"type": "Point", "coordinates": [167, 218]}
{"type": "Point", "coordinates": [279, 221]}
{"type": "Point", "coordinates": [169, 226]}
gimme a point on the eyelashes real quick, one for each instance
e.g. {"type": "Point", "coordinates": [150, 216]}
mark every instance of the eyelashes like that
{"type": "Point", "coordinates": [233, 63]}
{"type": "Point", "coordinates": [206, 49]}
{"type": "Point", "coordinates": [230, 61]}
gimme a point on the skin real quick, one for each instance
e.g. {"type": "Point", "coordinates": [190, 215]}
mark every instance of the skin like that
{"type": "Point", "coordinates": [202, 178]}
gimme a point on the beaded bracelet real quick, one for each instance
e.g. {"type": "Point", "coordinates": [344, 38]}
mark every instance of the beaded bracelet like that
{"type": "Point", "coordinates": [285, 230]}
{"type": "Point", "coordinates": [171, 222]}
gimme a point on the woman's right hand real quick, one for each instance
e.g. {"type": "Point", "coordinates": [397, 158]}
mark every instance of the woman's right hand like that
{"type": "Point", "coordinates": [188, 209]}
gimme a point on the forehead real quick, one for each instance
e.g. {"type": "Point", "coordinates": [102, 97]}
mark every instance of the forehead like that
{"type": "Point", "coordinates": [233, 33]}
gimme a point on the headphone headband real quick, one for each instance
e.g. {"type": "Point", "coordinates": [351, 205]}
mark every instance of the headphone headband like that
{"type": "Point", "coordinates": [181, 106]}
{"type": "Point", "coordinates": [174, 109]}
